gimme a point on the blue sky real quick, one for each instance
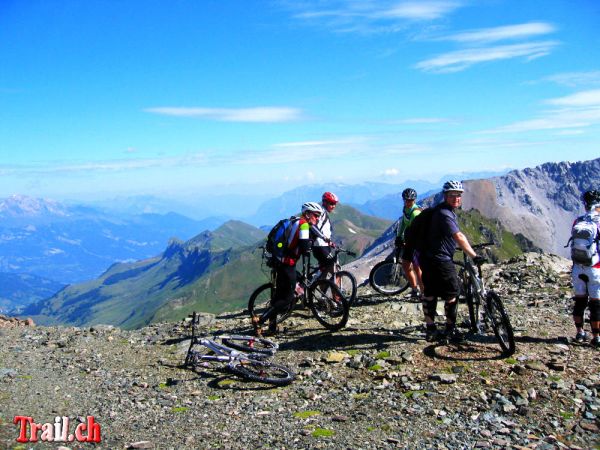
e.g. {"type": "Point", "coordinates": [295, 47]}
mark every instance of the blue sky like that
{"type": "Point", "coordinates": [106, 97]}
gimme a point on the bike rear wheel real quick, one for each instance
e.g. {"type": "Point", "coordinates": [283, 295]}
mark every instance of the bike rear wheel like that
{"type": "Point", "coordinates": [261, 299]}
{"type": "Point", "coordinates": [500, 323]}
{"type": "Point", "coordinates": [328, 305]}
{"type": "Point", "coordinates": [251, 344]}
{"type": "Point", "coordinates": [347, 284]}
{"type": "Point", "coordinates": [263, 372]}
{"type": "Point", "coordinates": [387, 277]}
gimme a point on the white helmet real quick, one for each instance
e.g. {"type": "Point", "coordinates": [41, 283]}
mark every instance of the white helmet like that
{"type": "Point", "coordinates": [312, 207]}
{"type": "Point", "coordinates": [453, 185]}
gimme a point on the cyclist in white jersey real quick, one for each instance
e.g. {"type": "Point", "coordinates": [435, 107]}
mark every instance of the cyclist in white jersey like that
{"type": "Point", "coordinates": [323, 245]}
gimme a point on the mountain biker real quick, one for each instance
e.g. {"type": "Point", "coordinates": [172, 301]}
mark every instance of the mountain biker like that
{"type": "Point", "coordinates": [410, 263]}
{"type": "Point", "coordinates": [323, 245]}
{"type": "Point", "coordinates": [439, 272]}
{"type": "Point", "coordinates": [591, 200]}
{"type": "Point", "coordinates": [285, 269]}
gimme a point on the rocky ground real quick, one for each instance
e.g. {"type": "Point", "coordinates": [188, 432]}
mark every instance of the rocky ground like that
{"type": "Point", "coordinates": [376, 384]}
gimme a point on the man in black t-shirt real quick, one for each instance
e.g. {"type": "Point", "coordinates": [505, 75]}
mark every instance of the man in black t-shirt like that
{"type": "Point", "coordinates": [439, 272]}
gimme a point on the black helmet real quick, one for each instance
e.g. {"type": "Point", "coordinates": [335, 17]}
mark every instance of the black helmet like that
{"type": "Point", "coordinates": [409, 194]}
{"type": "Point", "coordinates": [591, 198]}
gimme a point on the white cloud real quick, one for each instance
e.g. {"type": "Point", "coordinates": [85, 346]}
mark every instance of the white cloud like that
{"type": "Point", "coordinates": [462, 59]}
{"type": "Point", "coordinates": [574, 79]}
{"type": "Point", "coordinates": [421, 10]}
{"type": "Point", "coordinates": [584, 98]}
{"type": "Point", "coordinates": [561, 119]}
{"type": "Point", "coordinates": [368, 16]}
{"type": "Point", "coordinates": [502, 33]}
{"type": "Point", "coordinates": [258, 114]}
{"type": "Point", "coordinates": [391, 172]}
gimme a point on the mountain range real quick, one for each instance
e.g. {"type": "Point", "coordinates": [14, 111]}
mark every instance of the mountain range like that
{"type": "Point", "coordinates": [214, 271]}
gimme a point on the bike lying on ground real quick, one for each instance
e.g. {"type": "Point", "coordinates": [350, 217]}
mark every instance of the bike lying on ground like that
{"type": "Point", "coordinates": [246, 356]}
{"type": "Point", "coordinates": [486, 309]}
{"type": "Point", "coordinates": [342, 278]}
{"type": "Point", "coordinates": [322, 296]}
{"type": "Point", "coordinates": [387, 276]}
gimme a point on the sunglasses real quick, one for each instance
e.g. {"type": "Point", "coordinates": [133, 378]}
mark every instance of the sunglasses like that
{"type": "Point", "coordinates": [452, 195]}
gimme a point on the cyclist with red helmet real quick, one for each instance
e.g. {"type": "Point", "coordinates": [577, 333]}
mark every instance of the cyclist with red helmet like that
{"type": "Point", "coordinates": [323, 244]}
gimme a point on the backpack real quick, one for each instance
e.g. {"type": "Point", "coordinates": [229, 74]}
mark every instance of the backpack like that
{"type": "Point", "coordinates": [417, 233]}
{"type": "Point", "coordinates": [277, 241]}
{"type": "Point", "coordinates": [584, 241]}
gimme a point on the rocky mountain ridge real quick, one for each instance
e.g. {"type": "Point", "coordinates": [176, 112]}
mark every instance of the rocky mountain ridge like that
{"type": "Point", "coordinates": [539, 203]}
{"type": "Point", "coordinates": [374, 385]}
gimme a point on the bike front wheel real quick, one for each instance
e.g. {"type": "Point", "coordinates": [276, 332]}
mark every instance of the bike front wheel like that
{"type": "Point", "coordinates": [263, 372]}
{"type": "Point", "coordinates": [500, 323]}
{"type": "Point", "coordinates": [347, 284]}
{"type": "Point", "coordinates": [328, 305]}
{"type": "Point", "coordinates": [261, 299]}
{"type": "Point", "coordinates": [387, 277]}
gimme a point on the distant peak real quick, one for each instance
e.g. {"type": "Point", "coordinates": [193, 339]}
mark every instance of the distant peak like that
{"type": "Point", "coordinates": [25, 206]}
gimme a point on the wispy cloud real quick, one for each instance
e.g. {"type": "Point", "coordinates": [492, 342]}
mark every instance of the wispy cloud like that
{"type": "Point", "coordinates": [584, 98]}
{"type": "Point", "coordinates": [462, 59]}
{"type": "Point", "coordinates": [477, 47]}
{"type": "Point", "coordinates": [577, 112]}
{"type": "Point", "coordinates": [575, 79]}
{"type": "Point", "coordinates": [267, 114]}
{"type": "Point", "coordinates": [390, 172]}
{"type": "Point", "coordinates": [508, 32]}
{"type": "Point", "coordinates": [368, 16]}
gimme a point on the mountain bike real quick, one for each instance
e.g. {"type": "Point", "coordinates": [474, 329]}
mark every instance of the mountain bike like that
{"type": "Point", "coordinates": [486, 309]}
{"type": "Point", "coordinates": [254, 366]}
{"type": "Point", "coordinates": [322, 296]}
{"type": "Point", "coordinates": [387, 276]}
{"type": "Point", "coordinates": [342, 278]}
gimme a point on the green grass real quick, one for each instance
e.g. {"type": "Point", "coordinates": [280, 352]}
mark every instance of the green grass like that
{"type": "Point", "coordinates": [322, 432]}
{"type": "Point", "coordinates": [306, 414]}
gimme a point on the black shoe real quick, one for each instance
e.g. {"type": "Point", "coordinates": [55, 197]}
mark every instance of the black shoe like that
{"type": "Point", "coordinates": [454, 336]}
{"type": "Point", "coordinates": [595, 342]}
{"type": "Point", "coordinates": [432, 334]}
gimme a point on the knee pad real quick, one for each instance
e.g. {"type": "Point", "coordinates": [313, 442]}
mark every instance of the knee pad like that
{"type": "Point", "coordinates": [450, 309]}
{"type": "Point", "coordinates": [579, 307]}
{"type": "Point", "coordinates": [430, 307]}
{"type": "Point", "coordinates": [594, 310]}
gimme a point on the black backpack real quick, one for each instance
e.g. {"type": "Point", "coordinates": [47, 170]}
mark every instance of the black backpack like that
{"type": "Point", "coordinates": [417, 233]}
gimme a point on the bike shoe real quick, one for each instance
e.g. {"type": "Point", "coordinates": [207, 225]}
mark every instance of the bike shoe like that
{"type": "Point", "coordinates": [581, 337]}
{"type": "Point", "coordinates": [432, 334]}
{"type": "Point", "coordinates": [415, 294]}
{"type": "Point", "coordinates": [454, 336]}
{"type": "Point", "coordinates": [595, 342]}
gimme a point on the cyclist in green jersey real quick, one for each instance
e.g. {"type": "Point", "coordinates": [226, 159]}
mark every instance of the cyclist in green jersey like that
{"type": "Point", "coordinates": [410, 263]}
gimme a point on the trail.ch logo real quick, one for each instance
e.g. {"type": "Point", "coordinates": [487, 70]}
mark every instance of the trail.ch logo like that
{"type": "Point", "coordinates": [29, 430]}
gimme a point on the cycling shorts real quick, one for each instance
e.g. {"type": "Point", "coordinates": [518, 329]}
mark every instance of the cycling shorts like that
{"type": "Point", "coordinates": [440, 279]}
{"type": "Point", "coordinates": [410, 254]}
{"type": "Point", "coordinates": [593, 273]}
{"type": "Point", "coordinates": [324, 256]}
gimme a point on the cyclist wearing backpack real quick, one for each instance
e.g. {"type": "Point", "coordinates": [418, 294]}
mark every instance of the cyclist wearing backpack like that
{"type": "Point", "coordinates": [585, 243]}
{"type": "Point", "coordinates": [410, 263]}
{"type": "Point", "coordinates": [439, 272]}
{"type": "Point", "coordinates": [297, 243]}
{"type": "Point", "coordinates": [322, 233]}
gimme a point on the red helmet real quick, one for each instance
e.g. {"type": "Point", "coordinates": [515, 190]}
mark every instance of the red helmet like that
{"type": "Point", "coordinates": [330, 197]}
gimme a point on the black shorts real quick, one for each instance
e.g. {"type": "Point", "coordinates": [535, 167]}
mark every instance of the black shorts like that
{"type": "Point", "coordinates": [324, 256]}
{"type": "Point", "coordinates": [440, 279]}
{"type": "Point", "coordinates": [411, 255]}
